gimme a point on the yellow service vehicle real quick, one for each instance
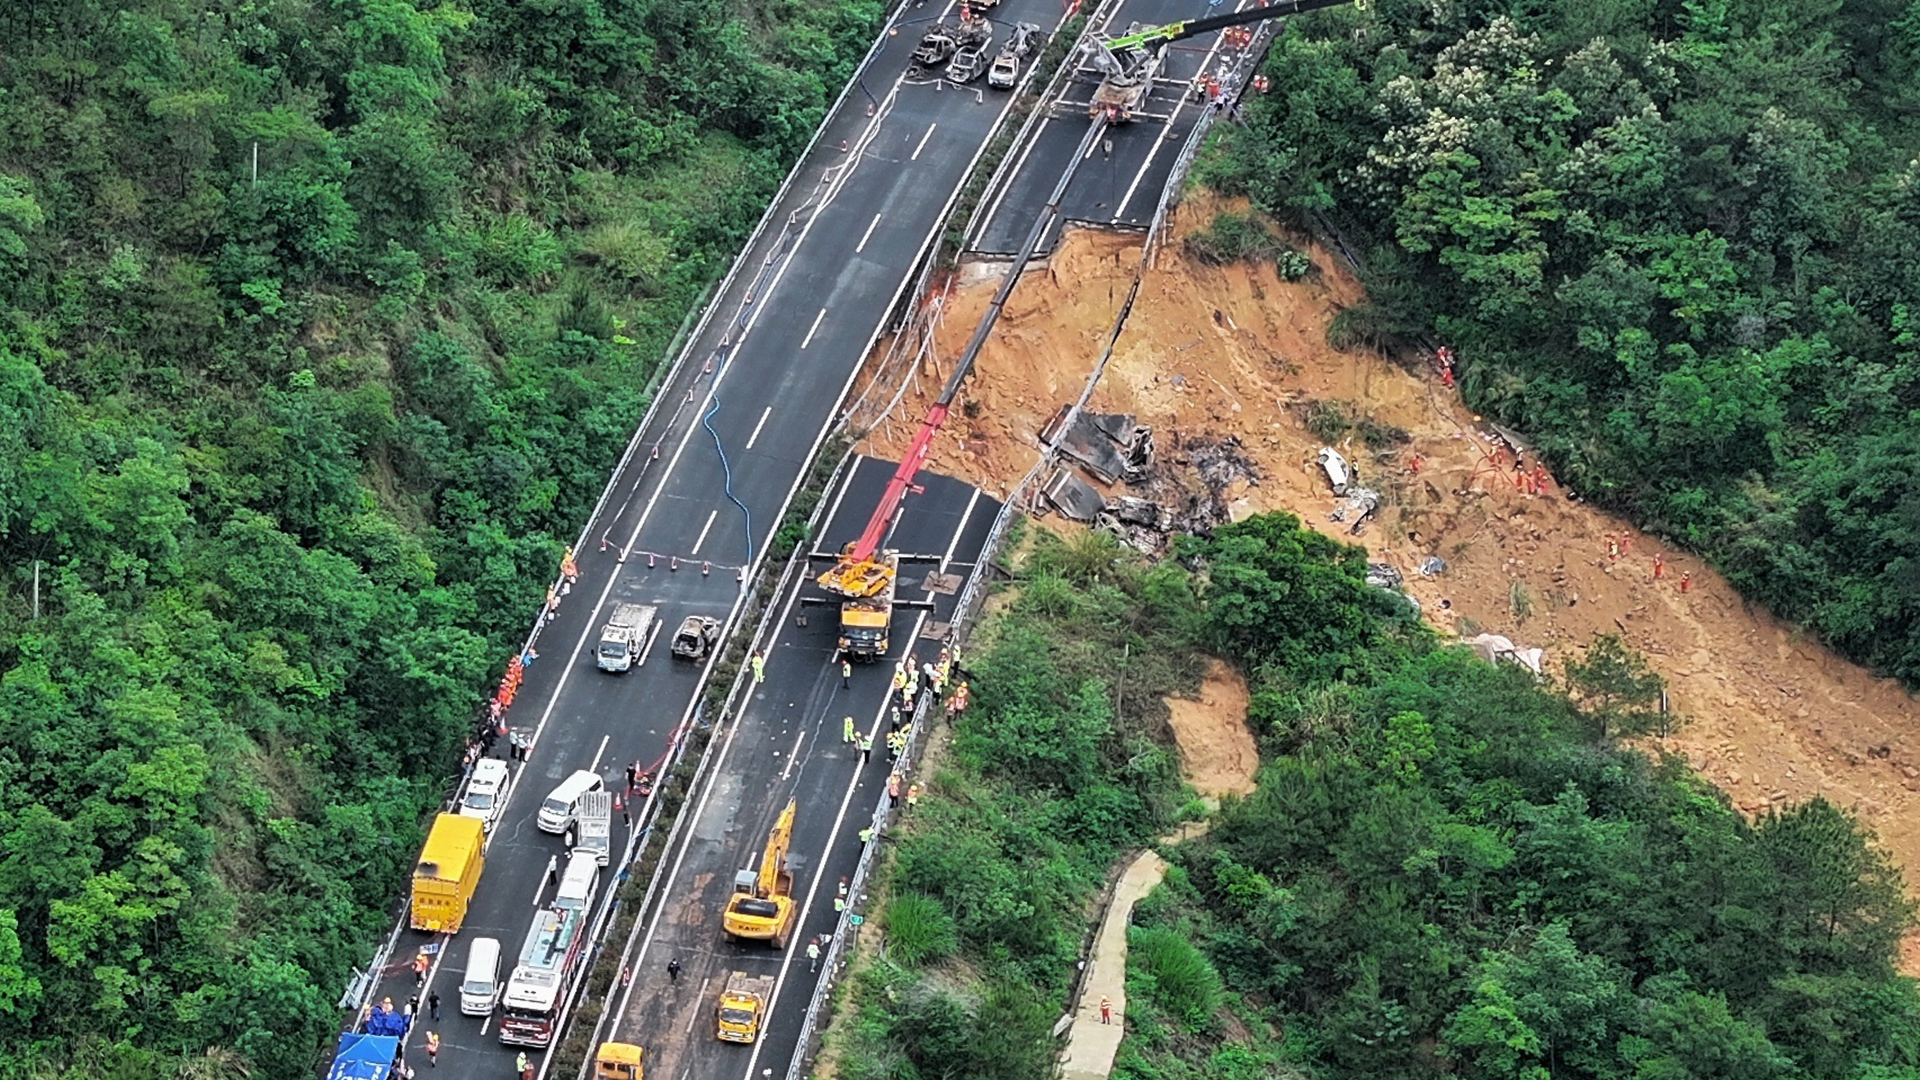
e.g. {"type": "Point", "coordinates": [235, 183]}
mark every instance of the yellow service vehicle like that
{"type": "Point", "coordinates": [742, 1002]}
{"type": "Point", "coordinates": [447, 873]}
{"type": "Point", "coordinates": [617, 1061]}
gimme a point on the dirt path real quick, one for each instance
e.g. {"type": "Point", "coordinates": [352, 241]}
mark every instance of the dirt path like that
{"type": "Point", "coordinates": [1091, 1044]}
{"type": "Point", "coordinates": [1234, 351]}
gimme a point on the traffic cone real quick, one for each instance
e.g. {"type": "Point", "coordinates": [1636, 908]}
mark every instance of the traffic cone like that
{"type": "Point", "coordinates": [656, 452]}
{"type": "Point", "coordinates": [649, 560]}
{"type": "Point", "coordinates": [706, 568]}
{"type": "Point", "coordinates": [740, 573]}
{"type": "Point", "coordinates": [673, 563]}
{"type": "Point", "coordinates": [603, 541]}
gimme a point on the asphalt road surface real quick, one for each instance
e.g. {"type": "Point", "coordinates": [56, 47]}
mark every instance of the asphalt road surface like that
{"type": "Point", "coordinates": [714, 465]}
{"type": "Point", "coordinates": [787, 744]}
{"type": "Point", "coordinates": [1121, 182]}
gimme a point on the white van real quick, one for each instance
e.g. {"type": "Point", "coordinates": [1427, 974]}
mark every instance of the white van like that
{"type": "Point", "coordinates": [577, 884]}
{"type": "Point", "coordinates": [480, 986]}
{"type": "Point", "coordinates": [557, 812]}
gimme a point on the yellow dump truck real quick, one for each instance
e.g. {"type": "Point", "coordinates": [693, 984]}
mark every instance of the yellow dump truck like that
{"type": "Point", "coordinates": [742, 1002]}
{"type": "Point", "coordinates": [448, 872]}
{"type": "Point", "coordinates": [617, 1061]}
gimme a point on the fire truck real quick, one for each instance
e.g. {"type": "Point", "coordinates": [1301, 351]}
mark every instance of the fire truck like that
{"type": "Point", "coordinates": [540, 979]}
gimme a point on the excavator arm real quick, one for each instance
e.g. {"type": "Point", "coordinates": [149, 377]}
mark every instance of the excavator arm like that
{"type": "Point", "coordinates": [775, 860]}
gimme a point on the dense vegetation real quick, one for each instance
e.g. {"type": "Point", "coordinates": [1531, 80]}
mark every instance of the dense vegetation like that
{"type": "Point", "coordinates": [1678, 244]}
{"type": "Point", "coordinates": [322, 325]}
{"type": "Point", "coordinates": [1052, 772]}
{"type": "Point", "coordinates": [1446, 868]}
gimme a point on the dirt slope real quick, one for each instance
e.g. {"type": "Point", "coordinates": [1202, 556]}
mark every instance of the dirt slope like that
{"type": "Point", "coordinates": [1217, 752]}
{"type": "Point", "coordinates": [1217, 351]}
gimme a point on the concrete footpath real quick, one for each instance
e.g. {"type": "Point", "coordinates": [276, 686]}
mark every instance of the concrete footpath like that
{"type": "Point", "coordinates": [1091, 1045]}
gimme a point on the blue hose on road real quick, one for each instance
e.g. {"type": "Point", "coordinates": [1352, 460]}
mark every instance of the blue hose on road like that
{"type": "Point", "coordinates": [726, 470]}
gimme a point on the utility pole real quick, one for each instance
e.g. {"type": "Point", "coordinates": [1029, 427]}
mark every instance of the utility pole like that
{"type": "Point", "coordinates": [36, 590]}
{"type": "Point", "coordinates": [256, 163]}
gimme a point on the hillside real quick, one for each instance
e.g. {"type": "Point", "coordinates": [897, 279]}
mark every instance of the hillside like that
{"type": "Point", "coordinates": [1676, 244]}
{"type": "Point", "coordinates": [323, 324]}
{"type": "Point", "coordinates": [1444, 869]}
{"type": "Point", "coordinates": [1234, 351]}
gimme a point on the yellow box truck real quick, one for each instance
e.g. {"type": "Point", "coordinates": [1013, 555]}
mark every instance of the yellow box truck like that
{"type": "Point", "coordinates": [447, 874]}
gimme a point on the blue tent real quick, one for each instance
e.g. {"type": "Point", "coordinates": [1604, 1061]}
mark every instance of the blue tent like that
{"type": "Point", "coordinates": [364, 1057]}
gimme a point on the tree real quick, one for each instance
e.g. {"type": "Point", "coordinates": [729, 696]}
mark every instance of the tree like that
{"type": "Point", "coordinates": [1693, 1036]}
{"type": "Point", "coordinates": [1618, 692]}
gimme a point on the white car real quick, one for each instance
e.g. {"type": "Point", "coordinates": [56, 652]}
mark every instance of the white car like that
{"type": "Point", "coordinates": [486, 792]}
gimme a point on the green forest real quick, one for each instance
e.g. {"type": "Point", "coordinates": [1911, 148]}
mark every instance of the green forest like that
{"type": "Point", "coordinates": [1447, 869]}
{"type": "Point", "coordinates": [1677, 245]}
{"type": "Point", "coordinates": [322, 325]}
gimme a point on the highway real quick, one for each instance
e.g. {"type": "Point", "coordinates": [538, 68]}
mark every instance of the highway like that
{"type": "Point", "coordinates": [787, 743]}
{"type": "Point", "coordinates": [1121, 182]}
{"type": "Point", "coordinates": [708, 477]}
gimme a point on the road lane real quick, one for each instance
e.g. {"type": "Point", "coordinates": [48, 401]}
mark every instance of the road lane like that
{"type": "Point", "coordinates": [1122, 181]}
{"type": "Point", "coordinates": [789, 731]}
{"type": "Point", "coordinates": [744, 380]}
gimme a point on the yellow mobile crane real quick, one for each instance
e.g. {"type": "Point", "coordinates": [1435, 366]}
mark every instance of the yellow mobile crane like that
{"type": "Point", "coordinates": [761, 908]}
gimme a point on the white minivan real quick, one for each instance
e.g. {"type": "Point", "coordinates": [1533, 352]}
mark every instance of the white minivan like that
{"type": "Point", "coordinates": [561, 805]}
{"type": "Point", "coordinates": [480, 986]}
{"type": "Point", "coordinates": [582, 876]}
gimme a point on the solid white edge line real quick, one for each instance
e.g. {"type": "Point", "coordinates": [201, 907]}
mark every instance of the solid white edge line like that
{"type": "Point", "coordinates": [1026, 152]}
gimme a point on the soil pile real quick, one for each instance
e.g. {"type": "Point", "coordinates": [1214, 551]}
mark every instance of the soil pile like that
{"type": "Point", "coordinates": [1217, 751]}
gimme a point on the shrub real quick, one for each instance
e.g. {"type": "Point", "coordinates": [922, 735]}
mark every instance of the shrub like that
{"type": "Point", "coordinates": [1232, 238]}
{"type": "Point", "coordinates": [919, 930]}
{"type": "Point", "coordinates": [1174, 975]}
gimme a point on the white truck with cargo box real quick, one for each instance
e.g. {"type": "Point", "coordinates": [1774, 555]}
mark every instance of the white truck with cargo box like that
{"type": "Point", "coordinates": [624, 638]}
{"type": "Point", "coordinates": [593, 826]}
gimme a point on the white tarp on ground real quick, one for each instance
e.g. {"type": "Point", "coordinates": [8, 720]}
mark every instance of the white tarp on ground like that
{"type": "Point", "coordinates": [1494, 648]}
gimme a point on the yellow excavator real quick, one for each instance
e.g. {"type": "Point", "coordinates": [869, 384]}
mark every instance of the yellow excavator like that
{"type": "Point", "coordinates": [761, 908]}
